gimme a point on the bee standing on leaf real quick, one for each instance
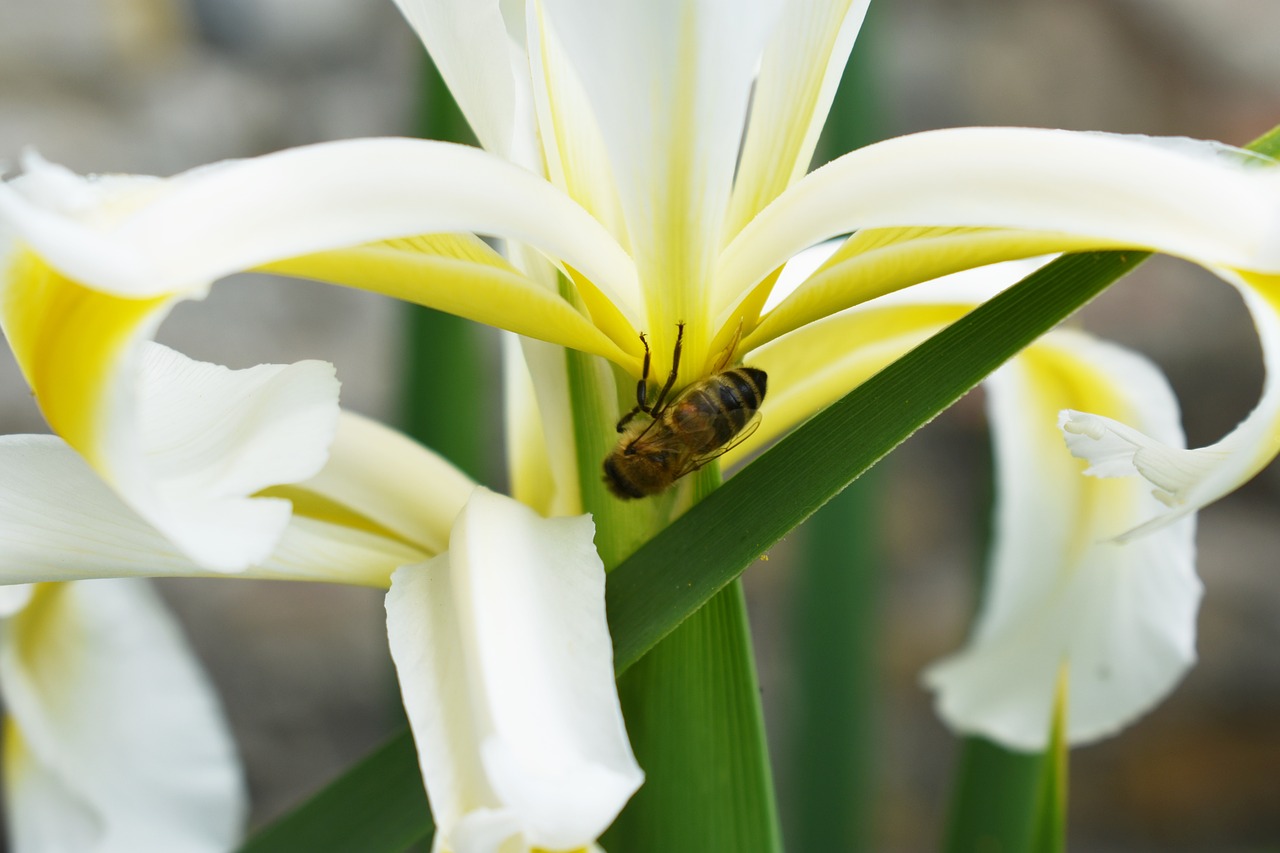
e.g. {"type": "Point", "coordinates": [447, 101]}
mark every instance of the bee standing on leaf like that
{"type": "Point", "coordinates": [702, 422]}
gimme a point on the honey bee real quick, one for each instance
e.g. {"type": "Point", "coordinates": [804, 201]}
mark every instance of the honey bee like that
{"type": "Point", "coordinates": [679, 436]}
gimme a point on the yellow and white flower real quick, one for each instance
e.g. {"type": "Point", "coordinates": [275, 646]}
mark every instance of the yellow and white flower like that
{"type": "Point", "coordinates": [645, 162]}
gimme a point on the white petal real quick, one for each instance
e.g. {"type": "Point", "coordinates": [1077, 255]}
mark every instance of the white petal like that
{"type": "Point", "coordinates": [576, 155]}
{"type": "Point", "coordinates": [1189, 200]}
{"type": "Point", "coordinates": [201, 225]}
{"type": "Point", "coordinates": [392, 480]}
{"type": "Point", "coordinates": [505, 666]}
{"type": "Point", "coordinates": [59, 521]}
{"type": "Point", "coordinates": [802, 67]}
{"type": "Point", "coordinates": [668, 82]}
{"type": "Point", "coordinates": [1186, 480]}
{"type": "Point", "coordinates": [469, 44]}
{"type": "Point", "coordinates": [1061, 590]}
{"type": "Point", "coordinates": [121, 745]}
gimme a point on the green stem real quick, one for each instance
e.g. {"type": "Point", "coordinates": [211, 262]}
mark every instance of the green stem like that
{"type": "Point", "coordinates": [692, 706]}
{"type": "Point", "coordinates": [693, 714]}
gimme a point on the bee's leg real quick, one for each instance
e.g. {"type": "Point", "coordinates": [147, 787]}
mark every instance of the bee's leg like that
{"type": "Point", "coordinates": [642, 389]}
{"type": "Point", "coordinates": [675, 370]}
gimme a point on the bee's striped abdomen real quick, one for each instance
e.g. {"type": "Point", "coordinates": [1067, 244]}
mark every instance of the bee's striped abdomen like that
{"type": "Point", "coordinates": [719, 407]}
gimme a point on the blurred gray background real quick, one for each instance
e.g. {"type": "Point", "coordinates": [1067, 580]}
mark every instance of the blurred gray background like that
{"type": "Point", "coordinates": [157, 86]}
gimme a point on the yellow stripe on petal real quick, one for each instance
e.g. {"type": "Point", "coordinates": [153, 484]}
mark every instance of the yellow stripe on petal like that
{"type": "Point", "coordinates": [68, 341]}
{"type": "Point", "coordinates": [576, 158]}
{"type": "Point", "coordinates": [815, 366]}
{"type": "Point", "coordinates": [477, 289]}
{"type": "Point", "coordinates": [1194, 200]}
{"type": "Point", "coordinates": [878, 261]}
{"type": "Point", "coordinates": [797, 83]}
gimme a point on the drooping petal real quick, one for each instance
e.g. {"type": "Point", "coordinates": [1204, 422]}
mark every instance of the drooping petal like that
{"type": "Point", "coordinates": [797, 82]}
{"type": "Point", "coordinates": [59, 521]}
{"type": "Point", "coordinates": [203, 439]}
{"type": "Point", "coordinates": [505, 666]}
{"type": "Point", "coordinates": [1061, 591]}
{"type": "Point", "coordinates": [1184, 481]}
{"type": "Point", "coordinates": [184, 443]}
{"type": "Point", "coordinates": [177, 235]}
{"type": "Point", "coordinates": [1199, 201]}
{"type": "Point", "coordinates": [115, 741]}
{"type": "Point", "coordinates": [668, 82]}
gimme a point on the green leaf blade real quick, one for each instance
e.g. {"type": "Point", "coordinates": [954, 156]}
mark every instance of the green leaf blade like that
{"type": "Point", "coordinates": [377, 805]}
{"type": "Point", "coordinates": [654, 590]}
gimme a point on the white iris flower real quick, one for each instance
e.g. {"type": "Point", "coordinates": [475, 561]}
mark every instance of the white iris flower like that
{"type": "Point", "coordinates": [645, 163]}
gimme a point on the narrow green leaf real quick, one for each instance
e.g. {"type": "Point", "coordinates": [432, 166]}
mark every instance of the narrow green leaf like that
{"type": "Point", "coordinates": [377, 805]}
{"type": "Point", "coordinates": [1049, 826]}
{"type": "Point", "coordinates": [687, 563]}
{"type": "Point", "coordinates": [993, 804]}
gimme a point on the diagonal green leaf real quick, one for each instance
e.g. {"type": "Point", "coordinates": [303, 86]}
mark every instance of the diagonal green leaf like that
{"type": "Point", "coordinates": [377, 805]}
{"type": "Point", "coordinates": [679, 570]}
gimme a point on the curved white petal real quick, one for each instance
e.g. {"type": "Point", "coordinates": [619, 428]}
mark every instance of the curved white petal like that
{"type": "Point", "coordinates": [183, 442]}
{"type": "Point", "coordinates": [505, 666]}
{"type": "Point", "coordinates": [1061, 590]}
{"type": "Point", "coordinates": [391, 479]}
{"type": "Point", "coordinates": [469, 43]}
{"type": "Point", "coordinates": [1186, 480]}
{"type": "Point", "coordinates": [59, 521]}
{"type": "Point", "coordinates": [1192, 200]}
{"type": "Point", "coordinates": [668, 82]}
{"type": "Point", "coordinates": [115, 741]}
{"type": "Point", "coordinates": [798, 77]}
{"type": "Point", "coordinates": [186, 231]}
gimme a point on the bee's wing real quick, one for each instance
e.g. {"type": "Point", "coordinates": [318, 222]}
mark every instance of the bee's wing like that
{"type": "Point", "coordinates": [697, 462]}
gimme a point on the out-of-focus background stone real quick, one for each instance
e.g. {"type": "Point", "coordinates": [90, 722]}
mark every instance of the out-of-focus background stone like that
{"type": "Point", "coordinates": [156, 86]}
